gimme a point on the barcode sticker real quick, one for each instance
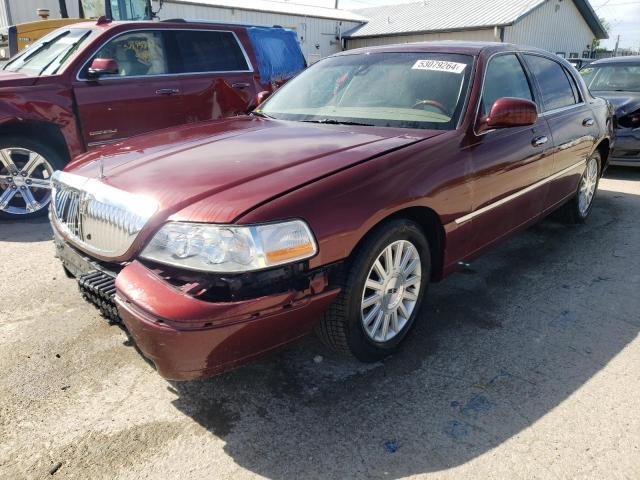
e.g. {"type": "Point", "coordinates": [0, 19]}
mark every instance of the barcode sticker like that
{"type": "Point", "coordinates": [439, 66]}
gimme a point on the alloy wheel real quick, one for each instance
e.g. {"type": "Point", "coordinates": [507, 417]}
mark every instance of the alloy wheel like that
{"type": "Point", "coordinates": [25, 185]}
{"type": "Point", "coordinates": [391, 291]}
{"type": "Point", "coordinates": [588, 185]}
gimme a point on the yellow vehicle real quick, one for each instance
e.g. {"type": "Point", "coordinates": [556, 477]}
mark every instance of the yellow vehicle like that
{"type": "Point", "coordinates": [17, 37]}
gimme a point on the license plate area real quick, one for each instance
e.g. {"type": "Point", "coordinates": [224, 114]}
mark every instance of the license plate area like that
{"type": "Point", "coordinates": [97, 284]}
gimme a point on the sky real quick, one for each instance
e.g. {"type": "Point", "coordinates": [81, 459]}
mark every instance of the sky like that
{"type": "Point", "coordinates": [623, 16]}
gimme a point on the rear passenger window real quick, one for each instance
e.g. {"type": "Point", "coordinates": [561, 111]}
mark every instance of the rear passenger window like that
{"type": "Point", "coordinates": [203, 51]}
{"type": "Point", "coordinates": [556, 88]}
{"type": "Point", "coordinates": [504, 78]}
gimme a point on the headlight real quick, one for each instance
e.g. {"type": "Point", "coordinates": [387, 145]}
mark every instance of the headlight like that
{"type": "Point", "coordinates": [231, 248]}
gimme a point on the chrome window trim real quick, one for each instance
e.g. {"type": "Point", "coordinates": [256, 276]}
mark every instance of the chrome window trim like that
{"type": "Point", "coordinates": [561, 109]}
{"type": "Point", "coordinates": [519, 193]}
{"type": "Point", "coordinates": [160, 75]}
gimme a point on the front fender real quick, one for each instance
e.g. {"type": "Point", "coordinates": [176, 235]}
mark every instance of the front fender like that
{"type": "Point", "coordinates": [49, 104]}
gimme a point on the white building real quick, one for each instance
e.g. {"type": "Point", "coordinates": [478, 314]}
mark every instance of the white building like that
{"type": "Point", "coordinates": [565, 27]}
{"type": "Point", "coordinates": [319, 29]}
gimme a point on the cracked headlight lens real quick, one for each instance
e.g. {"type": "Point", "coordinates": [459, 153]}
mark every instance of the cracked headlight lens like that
{"type": "Point", "coordinates": [231, 248]}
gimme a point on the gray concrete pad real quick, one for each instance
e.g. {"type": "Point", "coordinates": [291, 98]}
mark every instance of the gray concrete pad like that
{"type": "Point", "coordinates": [526, 366]}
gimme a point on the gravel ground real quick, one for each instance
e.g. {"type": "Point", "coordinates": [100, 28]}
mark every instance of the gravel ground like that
{"type": "Point", "coordinates": [525, 366]}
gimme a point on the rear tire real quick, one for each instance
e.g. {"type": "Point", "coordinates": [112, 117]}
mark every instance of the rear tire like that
{"type": "Point", "coordinates": [577, 210]}
{"type": "Point", "coordinates": [383, 283]}
{"type": "Point", "coordinates": [26, 167]}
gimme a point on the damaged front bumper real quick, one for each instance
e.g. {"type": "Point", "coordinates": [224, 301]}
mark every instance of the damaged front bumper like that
{"type": "Point", "coordinates": [193, 328]}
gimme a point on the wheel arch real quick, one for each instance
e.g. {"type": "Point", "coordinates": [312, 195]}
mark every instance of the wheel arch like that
{"type": "Point", "coordinates": [45, 132]}
{"type": "Point", "coordinates": [604, 148]}
{"type": "Point", "coordinates": [431, 225]}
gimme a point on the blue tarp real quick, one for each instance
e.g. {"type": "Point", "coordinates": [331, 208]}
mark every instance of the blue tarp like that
{"type": "Point", "coordinates": [278, 53]}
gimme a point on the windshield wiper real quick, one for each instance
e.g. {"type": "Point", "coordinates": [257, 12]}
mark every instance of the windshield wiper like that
{"type": "Point", "coordinates": [331, 121]}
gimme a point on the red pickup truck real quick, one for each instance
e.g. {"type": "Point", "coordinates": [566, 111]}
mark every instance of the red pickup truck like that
{"type": "Point", "coordinates": [91, 84]}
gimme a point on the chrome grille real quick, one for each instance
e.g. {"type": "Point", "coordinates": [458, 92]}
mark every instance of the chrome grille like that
{"type": "Point", "coordinates": [100, 218]}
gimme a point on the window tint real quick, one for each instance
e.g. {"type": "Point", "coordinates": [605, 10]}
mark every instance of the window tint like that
{"type": "Point", "coordinates": [137, 53]}
{"type": "Point", "coordinates": [202, 51]}
{"type": "Point", "coordinates": [504, 78]}
{"type": "Point", "coordinates": [555, 86]}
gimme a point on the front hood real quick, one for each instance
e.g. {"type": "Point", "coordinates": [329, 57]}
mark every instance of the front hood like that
{"type": "Point", "coordinates": [14, 79]}
{"type": "Point", "coordinates": [623, 102]}
{"type": "Point", "coordinates": [216, 171]}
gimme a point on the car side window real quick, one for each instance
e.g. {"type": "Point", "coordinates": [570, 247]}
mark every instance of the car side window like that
{"type": "Point", "coordinates": [137, 54]}
{"type": "Point", "coordinates": [555, 85]}
{"type": "Point", "coordinates": [505, 77]}
{"type": "Point", "coordinates": [209, 51]}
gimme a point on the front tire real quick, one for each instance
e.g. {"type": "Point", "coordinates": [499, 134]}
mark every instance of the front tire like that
{"type": "Point", "coordinates": [26, 167]}
{"type": "Point", "coordinates": [577, 210]}
{"type": "Point", "coordinates": [381, 293]}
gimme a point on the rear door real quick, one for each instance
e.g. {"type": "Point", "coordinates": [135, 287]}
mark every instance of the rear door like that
{"type": "Point", "coordinates": [216, 77]}
{"type": "Point", "coordinates": [142, 97]}
{"type": "Point", "coordinates": [571, 121]}
{"type": "Point", "coordinates": [507, 164]}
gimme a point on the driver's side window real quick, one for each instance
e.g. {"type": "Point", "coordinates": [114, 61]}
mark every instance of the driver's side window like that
{"type": "Point", "coordinates": [504, 78]}
{"type": "Point", "coordinates": [137, 54]}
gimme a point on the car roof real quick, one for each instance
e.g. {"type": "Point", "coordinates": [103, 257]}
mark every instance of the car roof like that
{"type": "Point", "coordinates": [635, 59]}
{"type": "Point", "coordinates": [447, 46]}
{"type": "Point", "coordinates": [172, 23]}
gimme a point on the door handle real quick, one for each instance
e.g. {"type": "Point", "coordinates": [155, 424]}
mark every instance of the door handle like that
{"type": "Point", "coordinates": [168, 91]}
{"type": "Point", "coordinates": [240, 85]}
{"type": "Point", "coordinates": [587, 122]}
{"type": "Point", "coordinates": [539, 141]}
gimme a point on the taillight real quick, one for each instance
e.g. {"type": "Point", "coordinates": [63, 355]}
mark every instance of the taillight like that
{"type": "Point", "coordinates": [631, 120]}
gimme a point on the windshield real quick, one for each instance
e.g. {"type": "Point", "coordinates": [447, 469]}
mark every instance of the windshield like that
{"type": "Point", "coordinates": [612, 78]}
{"type": "Point", "coordinates": [408, 90]}
{"type": "Point", "coordinates": [50, 53]}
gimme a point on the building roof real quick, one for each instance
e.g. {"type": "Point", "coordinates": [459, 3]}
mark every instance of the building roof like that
{"type": "Point", "coordinates": [452, 15]}
{"type": "Point", "coordinates": [285, 8]}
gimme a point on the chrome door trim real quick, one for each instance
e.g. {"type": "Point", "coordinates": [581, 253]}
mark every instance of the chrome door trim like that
{"type": "Point", "coordinates": [519, 193]}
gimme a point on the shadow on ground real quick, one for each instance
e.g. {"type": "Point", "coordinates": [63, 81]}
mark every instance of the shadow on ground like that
{"type": "Point", "coordinates": [32, 230]}
{"type": "Point", "coordinates": [623, 173]}
{"type": "Point", "coordinates": [497, 348]}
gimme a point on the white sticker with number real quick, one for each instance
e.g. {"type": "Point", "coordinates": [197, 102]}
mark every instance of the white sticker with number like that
{"type": "Point", "coordinates": [439, 66]}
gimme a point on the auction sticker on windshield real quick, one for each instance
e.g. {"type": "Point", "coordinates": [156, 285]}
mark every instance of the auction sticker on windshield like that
{"type": "Point", "coordinates": [439, 66]}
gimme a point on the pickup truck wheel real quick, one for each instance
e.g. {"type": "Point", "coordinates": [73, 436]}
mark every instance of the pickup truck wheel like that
{"type": "Point", "coordinates": [381, 292]}
{"type": "Point", "coordinates": [578, 208]}
{"type": "Point", "coordinates": [26, 167]}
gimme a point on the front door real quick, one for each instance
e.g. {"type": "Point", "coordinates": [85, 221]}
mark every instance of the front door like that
{"type": "Point", "coordinates": [141, 97]}
{"type": "Point", "coordinates": [508, 165]}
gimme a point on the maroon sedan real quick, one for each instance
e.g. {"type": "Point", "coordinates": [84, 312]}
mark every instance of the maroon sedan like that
{"type": "Point", "coordinates": [366, 177]}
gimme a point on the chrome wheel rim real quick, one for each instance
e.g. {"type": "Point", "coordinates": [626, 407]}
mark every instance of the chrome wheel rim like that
{"type": "Point", "coordinates": [391, 291]}
{"type": "Point", "coordinates": [588, 185]}
{"type": "Point", "coordinates": [25, 185]}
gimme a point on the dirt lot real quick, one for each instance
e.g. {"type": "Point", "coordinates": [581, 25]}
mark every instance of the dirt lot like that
{"type": "Point", "coordinates": [528, 366]}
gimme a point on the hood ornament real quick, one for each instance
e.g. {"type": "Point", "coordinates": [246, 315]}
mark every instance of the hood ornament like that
{"type": "Point", "coordinates": [100, 168]}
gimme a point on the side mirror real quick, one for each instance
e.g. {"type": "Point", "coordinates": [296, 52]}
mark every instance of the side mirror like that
{"type": "Point", "coordinates": [103, 66]}
{"type": "Point", "coordinates": [261, 97]}
{"type": "Point", "coordinates": [509, 112]}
